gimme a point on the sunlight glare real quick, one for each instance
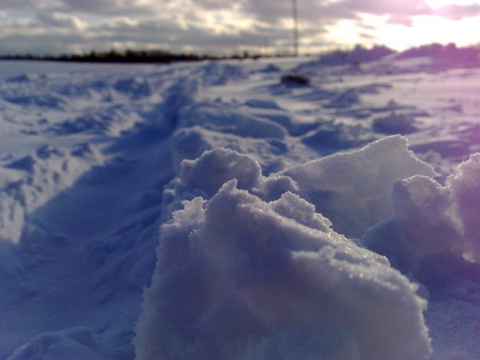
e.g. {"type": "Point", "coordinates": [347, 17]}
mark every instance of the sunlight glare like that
{"type": "Point", "coordinates": [424, 29]}
{"type": "Point", "coordinates": [441, 3]}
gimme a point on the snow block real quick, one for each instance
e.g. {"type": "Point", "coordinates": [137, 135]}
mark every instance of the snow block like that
{"type": "Point", "coordinates": [352, 188]}
{"type": "Point", "coordinates": [432, 225]}
{"type": "Point", "coordinates": [215, 167]}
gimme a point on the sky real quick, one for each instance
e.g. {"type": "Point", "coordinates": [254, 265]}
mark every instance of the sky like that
{"type": "Point", "coordinates": [225, 27]}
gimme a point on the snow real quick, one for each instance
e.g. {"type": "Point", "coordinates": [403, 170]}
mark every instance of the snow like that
{"type": "Point", "coordinates": [352, 188]}
{"type": "Point", "coordinates": [237, 280]}
{"type": "Point", "coordinates": [210, 211]}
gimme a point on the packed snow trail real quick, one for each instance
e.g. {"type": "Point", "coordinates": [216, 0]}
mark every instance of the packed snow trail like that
{"type": "Point", "coordinates": [86, 252]}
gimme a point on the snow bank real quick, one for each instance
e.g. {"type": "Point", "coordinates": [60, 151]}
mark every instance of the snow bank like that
{"type": "Point", "coordinates": [241, 278]}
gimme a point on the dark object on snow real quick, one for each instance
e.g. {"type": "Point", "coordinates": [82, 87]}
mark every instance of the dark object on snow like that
{"type": "Point", "coordinates": [295, 79]}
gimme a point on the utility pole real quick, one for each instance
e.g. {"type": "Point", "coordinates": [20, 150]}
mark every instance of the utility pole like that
{"type": "Point", "coordinates": [295, 29]}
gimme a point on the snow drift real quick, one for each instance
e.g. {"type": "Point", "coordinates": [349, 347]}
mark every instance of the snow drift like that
{"type": "Point", "coordinates": [241, 278]}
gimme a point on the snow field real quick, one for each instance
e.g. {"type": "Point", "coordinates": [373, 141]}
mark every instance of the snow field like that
{"type": "Point", "coordinates": [292, 225]}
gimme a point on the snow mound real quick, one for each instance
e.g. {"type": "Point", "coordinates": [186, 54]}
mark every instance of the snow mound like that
{"type": "Point", "coordinates": [40, 176]}
{"type": "Point", "coordinates": [352, 188]}
{"type": "Point", "coordinates": [239, 278]}
{"type": "Point", "coordinates": [394, 124]}
{"type": "Point", "coordinates": [432, 221]}
{"type": "Point", "coordinates": [190, 143]}
{"type": "Point", "coordinates": [226, 165]}
{"type": "Point", "coordinates": [112, 121]}
{"type": "Point", "coordinates": [220, 118]}
{"type": "Point", "coordinates": [74, 344]}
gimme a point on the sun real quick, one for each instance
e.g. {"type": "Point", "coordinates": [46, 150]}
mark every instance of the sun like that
{"type": "Point", "coordinates": [441, 3]}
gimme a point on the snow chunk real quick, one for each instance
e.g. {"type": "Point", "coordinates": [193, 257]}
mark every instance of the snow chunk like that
{"type": "Point", "coordinates": [465, 188]}
{"type": "Point", "coordinates": [420, 226]}
{"type": "Point", "coordinates": [215, 167]}
{"type": "Point", "coordinates": [352, 188]}
{"type": "Point", "coordinates": [294, 207]}
{"type": "Point", "coordinates": [205, 175]}
{"type": "Point", "coordinates": [274, 186]}
{"type": "Point", "coordinates": [240, 278]}
{"type": "Point", "coordinates": [432, 225]}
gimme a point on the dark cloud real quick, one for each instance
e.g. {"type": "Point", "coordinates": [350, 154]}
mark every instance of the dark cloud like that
{"type": "Point", "coordinates": [59, 21]}
{"type": "Point", "coordinates": [217, 4]}
{"type": "Point", "coordinates": [269, 11]}
{"type": "Point", "coordinates": [106, 7]}
{"type": "Point", "coordinates": [7, 5]}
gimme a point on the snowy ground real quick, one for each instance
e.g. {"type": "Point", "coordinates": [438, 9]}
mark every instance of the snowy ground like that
{"type": "Point", "coordinates": [273, 241]}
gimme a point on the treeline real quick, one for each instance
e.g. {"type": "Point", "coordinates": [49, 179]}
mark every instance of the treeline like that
{"type": "Point", "coordinates": [356, 55]}
{"type": "Point", "coordinates": [128, 56]}
{"type": "Point", "coordinates": [113, 56]}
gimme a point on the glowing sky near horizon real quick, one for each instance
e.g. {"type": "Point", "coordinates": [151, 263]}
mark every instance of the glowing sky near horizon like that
{"type": "Point", "coordinates": [441, 3]}
{"type": "Point", "coordinates": [225, 27]}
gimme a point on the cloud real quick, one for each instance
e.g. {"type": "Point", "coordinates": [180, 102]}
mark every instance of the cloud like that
{"type": "Point", "coordinates": [16, 5]}
{"type": "Point", "coordinates": [106, 7]}
{"type": "Point", "coordinates": [457, 12]}
{"type": "Point", "coordinates": [387, 7]}
{"type": "Point", "coordinates": [60, 21]}
{"type": "Point", "coordinates": [214, 26]}
{"type": "Point", "coordinates": [400, 20]}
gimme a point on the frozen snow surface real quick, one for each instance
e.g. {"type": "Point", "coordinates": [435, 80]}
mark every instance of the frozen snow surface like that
{"type": "Point", "coordinates": [215, 211]}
